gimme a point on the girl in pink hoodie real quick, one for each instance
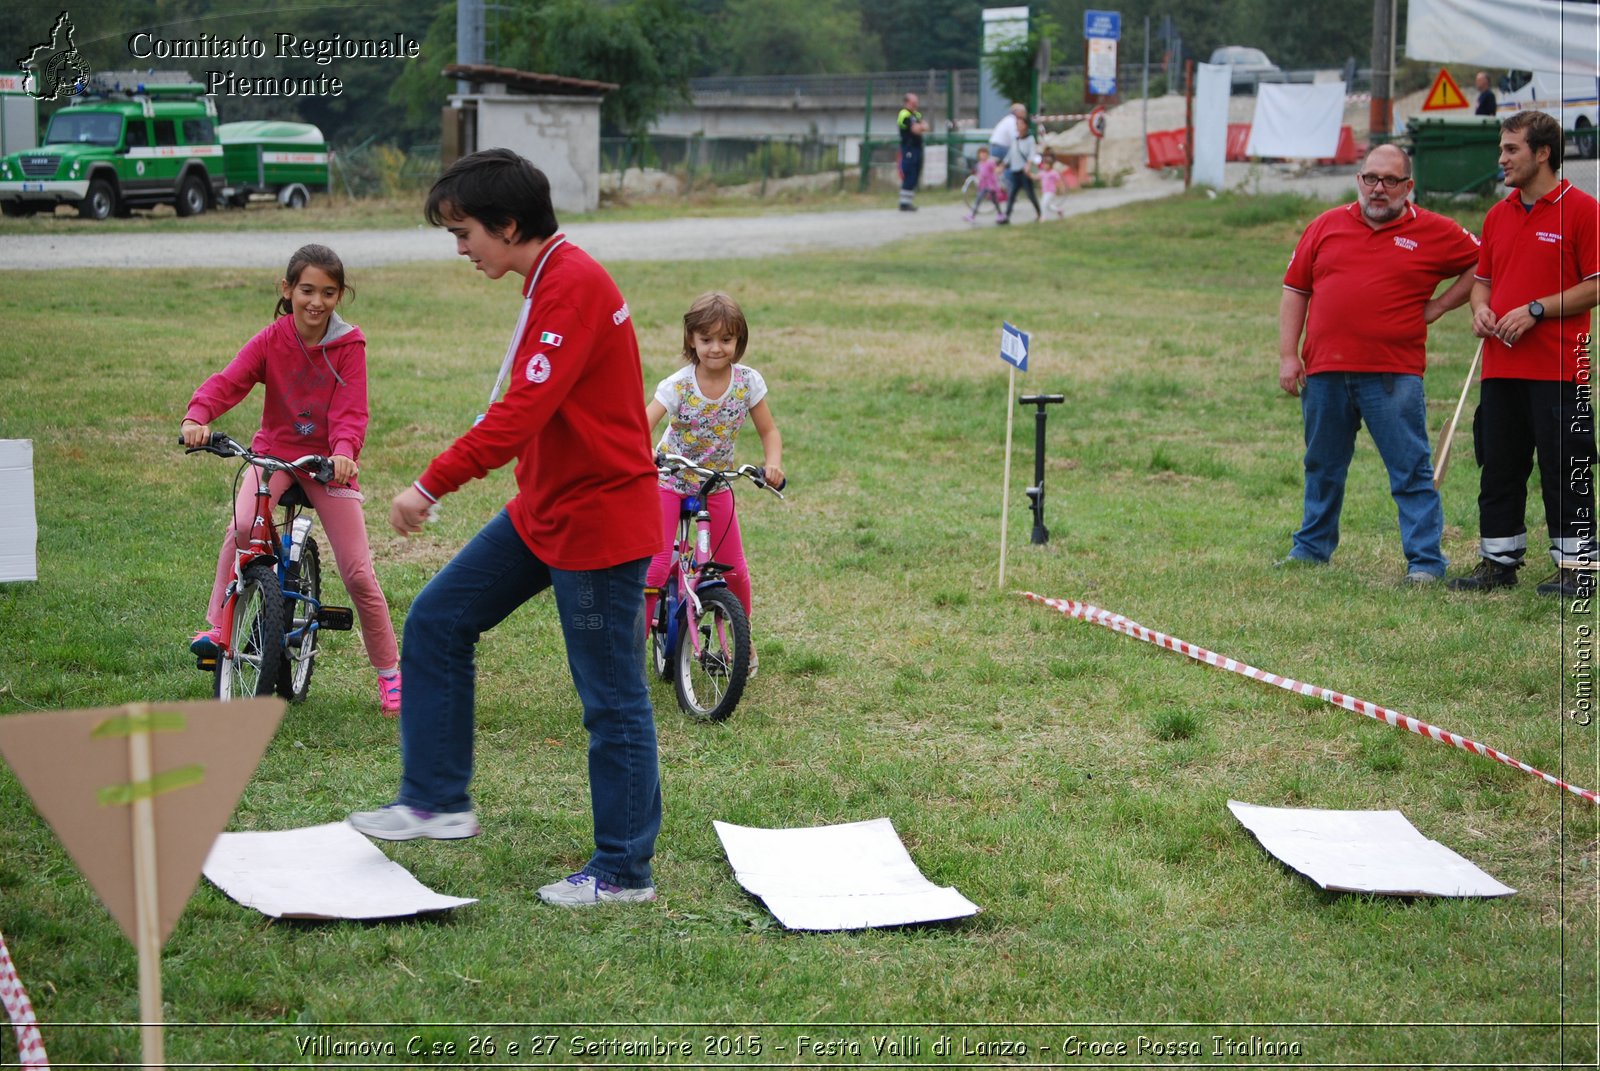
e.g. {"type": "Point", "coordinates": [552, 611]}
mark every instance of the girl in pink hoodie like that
{"type": "Point", "coordinates": [314, 366]}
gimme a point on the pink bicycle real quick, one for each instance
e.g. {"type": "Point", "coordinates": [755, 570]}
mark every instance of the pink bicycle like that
{"type": "Point", "coordinates": [699, 636]}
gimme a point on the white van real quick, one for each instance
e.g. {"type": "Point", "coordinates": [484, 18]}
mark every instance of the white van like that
{"type": "Point", "coordinates": [1573, 99]}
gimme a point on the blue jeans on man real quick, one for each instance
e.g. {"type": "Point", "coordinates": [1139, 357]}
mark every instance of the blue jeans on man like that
{"type": "Point", "coordinates": [602, 620]}
{"type": "Point", "coordinates": [1334, 405]}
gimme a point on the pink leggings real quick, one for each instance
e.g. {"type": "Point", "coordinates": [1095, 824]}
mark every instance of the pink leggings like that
{"type": "Point", "coordinates": [339, 517]}
{"type": "Point", "coordinates": [726, 547]}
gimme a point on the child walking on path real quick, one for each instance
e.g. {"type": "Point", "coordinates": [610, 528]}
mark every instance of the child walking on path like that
{"type": "Point", "coordinates": [988, 185]}
{"type": "Point", "coordinates": [314, 365]}
{"type": "Point", "coordinates": [706, 404]}
{"type": "Point", "coordinates": [1053, 181]}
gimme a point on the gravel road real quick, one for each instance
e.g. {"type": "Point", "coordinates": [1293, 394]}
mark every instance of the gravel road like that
{"type": "Point", "coordinates": [670, 239]}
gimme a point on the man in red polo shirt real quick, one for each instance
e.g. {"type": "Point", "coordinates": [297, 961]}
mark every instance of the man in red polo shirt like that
{"type": "Point", "coordinates": [1361, 287]}
{"type": "Point", "coordinates": [1537, 279]}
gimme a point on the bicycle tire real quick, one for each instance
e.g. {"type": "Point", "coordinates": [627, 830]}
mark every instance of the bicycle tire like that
{"type": "Point", "coordinates": [660, 655]}
{"type": "Point", "coordinates": [969, 194]}
{"type": "Point", "coordinates": [299, 660]}
{"type": "Point", "coordinates": [251, 668]}
{"type": "Point", "coordinates": [710, 685]}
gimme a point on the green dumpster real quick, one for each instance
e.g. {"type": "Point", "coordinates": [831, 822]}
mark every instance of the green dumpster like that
{"type": "Point", "coordinates": [1457, 155]}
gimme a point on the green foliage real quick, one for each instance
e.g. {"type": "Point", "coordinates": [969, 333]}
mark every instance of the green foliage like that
{"type": "Point", "coordinates": [783, 37]}
{"type": "Point", "coordinates": [646, 47]}
{"type": "Point", "coordinates": [1014, 67]}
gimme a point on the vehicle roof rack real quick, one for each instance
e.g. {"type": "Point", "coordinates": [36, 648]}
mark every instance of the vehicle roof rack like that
{"type": "Point", "coordinates": [149, 84]}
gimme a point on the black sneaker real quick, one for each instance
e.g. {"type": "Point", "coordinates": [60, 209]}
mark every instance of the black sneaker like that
{"type": "Point", "coordinates": [1487, 576]}
{"type": "Point", "coordinates": [1568, 583]}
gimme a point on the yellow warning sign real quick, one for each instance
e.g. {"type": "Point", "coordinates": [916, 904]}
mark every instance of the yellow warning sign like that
{"type": "Point", "coordinates": [1444, 94]}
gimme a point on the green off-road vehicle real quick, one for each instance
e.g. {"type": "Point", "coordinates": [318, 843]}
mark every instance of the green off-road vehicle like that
{"type": "Point", "coordinates": [137, 140]}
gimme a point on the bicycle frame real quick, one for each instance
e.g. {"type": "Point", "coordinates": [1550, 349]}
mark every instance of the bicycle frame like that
{"type": "Point", "coordinates": [692, 568]}
{"type": "Point", "coordinates": [265, 544]}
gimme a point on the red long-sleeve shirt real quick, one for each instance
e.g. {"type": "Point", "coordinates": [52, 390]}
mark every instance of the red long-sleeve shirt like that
{"type": "Point", "coordinates": [573, 419]}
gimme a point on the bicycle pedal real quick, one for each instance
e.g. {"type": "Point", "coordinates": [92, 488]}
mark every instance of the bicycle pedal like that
{"type": "Point", "coordinates": [206, 665]}
{"type": "Point", "coordinates": [336, 618]}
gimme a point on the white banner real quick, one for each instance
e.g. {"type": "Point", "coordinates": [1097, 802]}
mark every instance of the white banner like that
{"type": "Point", "coordinates": [1212, 85]}
{"type": "Point", "coordinates": [1518, 35]}
{"type": "Point", "coordinates": [1297, 121]}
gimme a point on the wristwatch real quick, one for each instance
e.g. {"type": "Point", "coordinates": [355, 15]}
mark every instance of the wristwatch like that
{"type": "Point", "coordinates": [1536, 310]}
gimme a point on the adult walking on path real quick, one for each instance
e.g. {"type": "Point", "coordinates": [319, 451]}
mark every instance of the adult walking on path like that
{"type": "Point", "coordinates": [1538, 277]}
{"type": "Point", "coordinates": [1360, 286]}
{"type": "Point", "coordinates": [1020, 158]}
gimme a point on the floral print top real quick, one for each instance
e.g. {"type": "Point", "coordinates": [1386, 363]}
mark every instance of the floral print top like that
{"type": "Point", "coordinates": [702, 429]}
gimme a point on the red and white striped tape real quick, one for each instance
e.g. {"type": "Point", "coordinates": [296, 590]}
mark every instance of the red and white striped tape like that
{"type": "Point", "coordinates": [30, 1046]}
{"type": "Point", "coordinates": [1117, 623]}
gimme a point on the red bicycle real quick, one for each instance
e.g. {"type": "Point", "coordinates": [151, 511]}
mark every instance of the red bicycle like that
{"type": "Point", "coordinates": [272, 610]}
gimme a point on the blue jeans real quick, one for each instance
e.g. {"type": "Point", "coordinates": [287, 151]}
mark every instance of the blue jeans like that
{"type": "Point", "coordinates": [1392, 406]}
{"type": "Point", "coordinates": [602, 618]}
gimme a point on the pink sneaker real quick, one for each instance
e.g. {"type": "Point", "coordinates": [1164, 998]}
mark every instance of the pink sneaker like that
{"type": "Point", "coordinates": [206, 643]}
{"type": "Point", "coordinates": [389, 695]}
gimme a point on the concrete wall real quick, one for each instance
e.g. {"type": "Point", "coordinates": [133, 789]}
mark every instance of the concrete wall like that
{"type": "Point", "coordinates": [561, 135]}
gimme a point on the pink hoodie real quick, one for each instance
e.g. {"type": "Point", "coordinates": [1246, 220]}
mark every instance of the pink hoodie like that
{"type": "Point", "coordinates": [316, 395]}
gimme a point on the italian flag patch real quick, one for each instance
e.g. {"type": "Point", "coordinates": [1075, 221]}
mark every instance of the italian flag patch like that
{"type": "Point", "coordinates": [549, 338]}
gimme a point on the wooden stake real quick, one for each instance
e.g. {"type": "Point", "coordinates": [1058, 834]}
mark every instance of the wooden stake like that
{"type": "Point", "coordinates": [1447, 434]}
{"type": "Point", "coordinates": [146, 891]}
{"type": "Point", "coordinates": [1005, 484]}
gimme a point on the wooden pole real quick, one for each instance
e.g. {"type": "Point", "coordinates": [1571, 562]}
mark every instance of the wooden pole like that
{"type": "Point", "coordinates": [1005, 483]}
{"type": "Point", "coordinates": [146, 890]}
{"type": "Point", "coordinates": [1188, 122]}
{"type": "Point", "coordinates": [1447, 434]}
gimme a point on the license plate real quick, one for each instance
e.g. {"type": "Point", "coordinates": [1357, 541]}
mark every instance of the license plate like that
{"type": "Point", "coordinates": [33, 187]}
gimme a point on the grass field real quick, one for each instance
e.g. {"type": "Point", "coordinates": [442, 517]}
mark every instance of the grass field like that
{"type": "Point", "coordinates": [1070, 781]}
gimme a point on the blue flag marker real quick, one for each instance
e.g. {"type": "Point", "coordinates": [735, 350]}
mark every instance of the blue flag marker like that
{"type": "Point", "coordinates": [1013, 346]}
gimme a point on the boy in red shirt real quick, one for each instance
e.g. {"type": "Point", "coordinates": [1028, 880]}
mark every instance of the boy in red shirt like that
{"type": "Point", "coordinates": [584, 522]}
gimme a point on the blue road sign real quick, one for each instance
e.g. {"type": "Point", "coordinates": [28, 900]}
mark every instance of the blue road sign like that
{"type": "Point", "coordinates": [1106, 24]}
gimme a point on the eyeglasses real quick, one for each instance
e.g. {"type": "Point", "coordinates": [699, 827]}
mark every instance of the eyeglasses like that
{"type": "Point", "coordinates": [1389, 182]}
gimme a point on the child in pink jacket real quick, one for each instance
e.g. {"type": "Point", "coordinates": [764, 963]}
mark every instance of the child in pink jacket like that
{"type": "Point", "coordinates": [314, 365]}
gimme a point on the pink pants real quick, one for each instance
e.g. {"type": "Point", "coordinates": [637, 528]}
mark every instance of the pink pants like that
{"type": "Point", "coordinates": [339, 517]}
{"type": "Point", "coordinates": [726, 547]}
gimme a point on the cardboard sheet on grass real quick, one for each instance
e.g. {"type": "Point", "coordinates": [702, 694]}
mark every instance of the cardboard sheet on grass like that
{"type": "Point", "coordinates": [843, 877]}
{"type": "Point", "coordinates": [1376, 852]}
{"type": "Point", "coordinates": [321, 872]}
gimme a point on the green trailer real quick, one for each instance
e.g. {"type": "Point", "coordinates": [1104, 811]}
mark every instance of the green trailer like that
{"type": "Point", "coordinates": [271, 157]}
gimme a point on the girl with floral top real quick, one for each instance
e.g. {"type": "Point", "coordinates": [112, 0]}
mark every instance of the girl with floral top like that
{"type": "Point", "coordinates": [706, 404]}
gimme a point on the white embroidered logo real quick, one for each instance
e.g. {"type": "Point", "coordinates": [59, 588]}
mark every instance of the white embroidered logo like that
{"type": "Point", "coordinates": [1405, 243]}
{"type": "Point", "coordinates": [538, 368]}
{"type": "Point", "coordinates": [621, 315]}
{"type": "Point", "coordinates": [1551, 237]}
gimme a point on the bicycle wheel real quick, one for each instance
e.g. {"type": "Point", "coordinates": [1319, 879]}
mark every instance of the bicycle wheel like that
{"type": "Point", "coordinates": [970, 195]}
{"type": "Point", "coordinates": [252, 668]}
{"type": "Point", "coordinates": [305, 576]}
{"type": "Point", "coordinates": [710, 683]}
{"type": "Point", "coordinates": [660, 656]}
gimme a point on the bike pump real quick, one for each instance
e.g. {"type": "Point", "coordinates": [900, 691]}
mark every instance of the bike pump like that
{"type": "Point", "coordinates": [1041, 534]}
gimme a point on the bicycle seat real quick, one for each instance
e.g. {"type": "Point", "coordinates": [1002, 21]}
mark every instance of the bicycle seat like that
{"type": "Point", "coordinates": [295, 495]}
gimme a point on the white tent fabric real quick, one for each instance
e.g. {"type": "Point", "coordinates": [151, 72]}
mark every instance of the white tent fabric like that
{"type": "Point", "coordinates": [1518, 35]}
{"type": "Point", "coordinates": [1295, 121]}
{"type": "Point", "coordinates": [1212, 84]}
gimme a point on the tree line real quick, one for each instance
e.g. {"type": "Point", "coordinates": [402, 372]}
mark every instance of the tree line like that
{"type": "Point", "coordinates": [652, 48]}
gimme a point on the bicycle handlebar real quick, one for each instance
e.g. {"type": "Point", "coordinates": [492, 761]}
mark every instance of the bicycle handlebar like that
{"type": "Point", "coordinates": [316, 466]}
{"type": "Point", "coordinates": [672, 464]}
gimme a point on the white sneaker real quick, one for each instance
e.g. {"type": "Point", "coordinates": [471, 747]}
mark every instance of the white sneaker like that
{"type": "Point", "coordinates": [582, 890]}
{"type": "Point", "coordinates": [400, 822]}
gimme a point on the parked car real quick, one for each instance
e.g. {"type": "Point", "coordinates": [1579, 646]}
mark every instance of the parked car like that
{"type": "Point", "coordinates": [1250, 67]}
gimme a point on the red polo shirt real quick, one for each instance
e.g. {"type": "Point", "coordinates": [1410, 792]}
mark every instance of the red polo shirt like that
{"type": "Point", "coordinates": [1368, 287]}
{"type": "Point", "coordinates": [573, 418]}
{"type": "Point", "coordinates": [1530, 254]}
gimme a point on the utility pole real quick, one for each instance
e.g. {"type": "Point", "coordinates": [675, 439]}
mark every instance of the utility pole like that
{"type": "Point", "coordinates": [1383, 24]}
